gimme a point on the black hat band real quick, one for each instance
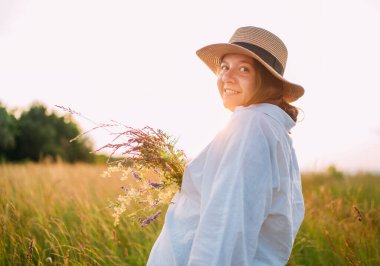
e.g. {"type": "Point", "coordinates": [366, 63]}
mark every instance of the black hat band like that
{"type": "Point", "coordinates": [266, 56]}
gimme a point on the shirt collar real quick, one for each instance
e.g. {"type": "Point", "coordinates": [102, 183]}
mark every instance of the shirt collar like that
{"type": "Point", "coordinates": [273, 111]}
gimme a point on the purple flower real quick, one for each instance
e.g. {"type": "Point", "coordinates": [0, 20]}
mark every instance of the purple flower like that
{"type": "Point", "coordinates": [146, 221]}
{"type": "Point", "coordinates": [135, 175]}
{"type": "Point", "coordinates": [156, 215]}
{"type": "Point", "coordinates": [151, 218]}
{"type": "Point", "coordinates": [155, 185]}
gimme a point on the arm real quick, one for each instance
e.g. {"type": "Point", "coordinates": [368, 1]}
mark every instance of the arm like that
{"type": "Point", "coordinates": [236, 206]}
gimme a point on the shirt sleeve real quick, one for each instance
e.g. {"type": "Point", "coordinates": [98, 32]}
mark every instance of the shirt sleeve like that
{"type": "Point", "coordinates": [239, 197]}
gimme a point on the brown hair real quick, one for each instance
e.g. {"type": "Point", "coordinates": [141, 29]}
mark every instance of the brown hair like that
{"type": "Point", "coordinates": [270, 90]}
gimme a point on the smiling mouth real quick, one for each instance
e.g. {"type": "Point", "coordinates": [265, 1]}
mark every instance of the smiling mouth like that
{"type": "Point", "coordinates": [230, 92]}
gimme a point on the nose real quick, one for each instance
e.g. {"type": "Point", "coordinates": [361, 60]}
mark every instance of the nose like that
{"type": "Point", "coordinates": [227, 76]}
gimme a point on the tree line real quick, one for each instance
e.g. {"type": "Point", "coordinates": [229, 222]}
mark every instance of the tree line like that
{"type": "Point", "coordinates": [37, 134]}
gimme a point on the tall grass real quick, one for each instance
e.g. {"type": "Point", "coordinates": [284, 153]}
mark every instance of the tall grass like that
{"type": "Point", "coordinates": [58, 215]}
{"type": "Point", "coordinates": [342, 222]}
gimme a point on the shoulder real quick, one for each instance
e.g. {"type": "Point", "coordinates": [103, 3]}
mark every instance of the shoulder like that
{"type": "Point", "coordinates": [248, 127]}
{"type": "Point", "coordinates": [254, 120]}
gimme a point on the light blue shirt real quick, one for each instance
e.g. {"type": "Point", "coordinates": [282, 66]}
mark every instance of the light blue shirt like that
{"type": "Point", "coordinates": [241, 201]}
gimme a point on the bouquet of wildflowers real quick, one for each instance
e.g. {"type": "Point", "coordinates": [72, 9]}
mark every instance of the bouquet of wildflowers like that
{"type": "Point", "coordinates": [150, 165]}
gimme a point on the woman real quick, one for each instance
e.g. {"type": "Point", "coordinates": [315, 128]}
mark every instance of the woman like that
{"type": "Point", "coordinates": [241, 201]}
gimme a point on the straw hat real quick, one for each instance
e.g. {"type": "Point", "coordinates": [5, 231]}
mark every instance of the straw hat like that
{"type": "Point", "coordinates": [260, 44]}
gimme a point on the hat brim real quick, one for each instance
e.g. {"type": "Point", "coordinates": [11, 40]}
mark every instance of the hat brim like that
{"type": "Point", "coordinates": [212, 55]}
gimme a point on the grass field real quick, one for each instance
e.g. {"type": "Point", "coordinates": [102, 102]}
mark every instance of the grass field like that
{"type": "Point", "coordinates": [58, 215]}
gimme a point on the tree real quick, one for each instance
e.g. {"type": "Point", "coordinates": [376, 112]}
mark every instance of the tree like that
{"type": "Point", "coordinates": [78, 150]}
{"type": "Point", "coordinates": [8, 125]}
{"type": "Point", "coordinates": [42, 135]}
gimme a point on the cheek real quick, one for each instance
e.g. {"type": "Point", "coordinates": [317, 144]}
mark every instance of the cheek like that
{"type": "Point", "coordinates": [249, 91]}
{"type": "Point", "coordinates": [250, 86]}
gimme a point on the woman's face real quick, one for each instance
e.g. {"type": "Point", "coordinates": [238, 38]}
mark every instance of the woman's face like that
{"type": "Point", "coordinates": [237, 80]}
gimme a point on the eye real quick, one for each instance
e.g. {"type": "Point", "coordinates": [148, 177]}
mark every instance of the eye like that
{"type": "Point", "coordinates": [223, 67]}
{"type": "Point", "coordinates": [244, 69]}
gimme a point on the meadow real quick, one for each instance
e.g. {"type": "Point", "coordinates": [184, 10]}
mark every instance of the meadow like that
{"type": "Point", "coordinates": [58, 214]}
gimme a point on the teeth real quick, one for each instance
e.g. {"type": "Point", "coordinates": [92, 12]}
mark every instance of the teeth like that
{"type": "Point", "coordinates": [228, 91]}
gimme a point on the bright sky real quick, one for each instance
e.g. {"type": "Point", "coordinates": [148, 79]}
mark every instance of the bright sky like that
{"type": "Point", "coordinates": [135, 62]}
